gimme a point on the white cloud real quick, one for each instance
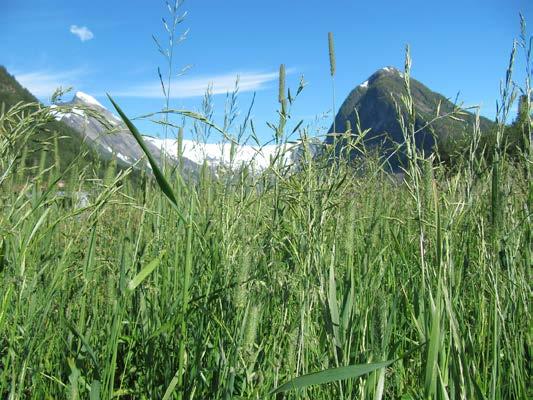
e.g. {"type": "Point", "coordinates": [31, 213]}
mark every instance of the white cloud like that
{"type": "Point", "coordinates": [82, 32]}
{"type": "Point", "coordinates": [43, 83]}
{"type": "Point", "coordinates": [195, 87]}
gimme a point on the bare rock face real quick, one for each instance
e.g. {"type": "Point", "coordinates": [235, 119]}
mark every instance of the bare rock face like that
{"type": "Point", "coordinates": [374, 101]}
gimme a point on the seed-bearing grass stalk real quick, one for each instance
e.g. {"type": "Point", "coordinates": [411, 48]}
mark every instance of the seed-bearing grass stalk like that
{"type": "Point", "coordinates": [250, 330]}
{"type": "Point", "coordinates": [281, 85]}
{"type": "Point", "coordinates": [507, 93]}
{"type": "Point", "coordinates": [283, 104]}
{"type": "Point", "coordinates": [241, 279]}
{"type": "Point", "coordinates": [413, 171]}
{"type": "Point", "coordinates": [332, 70]}
{"type": "Point", "coordinates": [176, 18]}
{"type": "Point", "coordinates": [526, 43]}
{"type": "Point", "coordinates": [180, 148]}
{"type": "Point", "coordinates": [179, 378]}
{"type": "Point", "coordinates": [57, 157]}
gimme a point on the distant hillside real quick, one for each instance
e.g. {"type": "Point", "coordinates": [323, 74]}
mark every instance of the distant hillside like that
{"type": "Point", "coordinates": [71, 143]}
{"type": "Point", "coordinates": [374, 102]}
{"type": "Point", "coordinates": [11, 92]}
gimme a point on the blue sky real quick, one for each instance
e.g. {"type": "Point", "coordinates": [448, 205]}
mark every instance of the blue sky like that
{"type": "Point", "coordinates": [106, 46]}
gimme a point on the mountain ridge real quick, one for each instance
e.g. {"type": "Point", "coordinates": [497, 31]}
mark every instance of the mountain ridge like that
{"type": "Point", "coordinates": [121, 143]}
{"type": "Point", "coordinates": [374, 98]}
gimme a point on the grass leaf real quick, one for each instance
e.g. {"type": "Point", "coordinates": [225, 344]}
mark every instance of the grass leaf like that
{"type": "Point", "coordinates": [160, 178]}
{"type": "Point", "coordinates": [331, 375]}
{"type": "Point", "coordinates": [143, 274]}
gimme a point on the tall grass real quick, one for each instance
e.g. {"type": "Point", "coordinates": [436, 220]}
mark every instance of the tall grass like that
{"type": "Point", "coordinates": [330, 281]}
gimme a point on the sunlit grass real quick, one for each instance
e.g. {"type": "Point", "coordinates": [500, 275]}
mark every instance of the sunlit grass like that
{"type": "Point", "coordinates": [333, 280]}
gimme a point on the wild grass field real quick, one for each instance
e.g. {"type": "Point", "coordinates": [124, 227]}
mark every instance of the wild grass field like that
{"type": "Point", "coordinates": [335, 280]}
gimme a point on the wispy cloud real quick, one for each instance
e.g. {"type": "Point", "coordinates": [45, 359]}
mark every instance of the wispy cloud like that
{"type": "Point", "coordinates": [82, 32]}
{"type": "Point", "coordinates": [43, 83]}
{"type": "Point", "coordinates": [194, 87]}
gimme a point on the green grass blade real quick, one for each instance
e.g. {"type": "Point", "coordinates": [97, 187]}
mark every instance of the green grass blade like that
{"type": "Point", "coordinates": [160, 178]}
{"type": "Point", "coordinates": [73, 379]}
{"type": "Point", "coordinates": [95, 390]}
{"type": "Point", "coordinates": [170, 388]}
{"type": "Point", "coordinates": [433, 350]}
{"type": "Point", "coordinates": [340, 373]}
{"type": "Point", "coordinates": [333, 306]}
{"type": "Point", "coordinates": [86, 344]}
{"type": "Point", "coordinates": [143, 274]}
{"type": "Point", "coordinates": [331, 375]}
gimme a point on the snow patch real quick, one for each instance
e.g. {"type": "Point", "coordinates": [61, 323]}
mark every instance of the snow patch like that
{"type": "Point", "coordinates": [59, 115]}
{"type": "Point", "coordinates": [115, 121]}
{"type": "Point", "coordinates": [88, 99]}
{"type": "Point", "coordinates": [364, 84]}
{"type": "Point", "coordinates": [392, 70]}
{"type": "Point", "coordinates": [76, 111]}
{"type": "Point", "coordinates": [123, 157]}
{"type": "Point", "coordinates": [224, 154]}
{"type": "Point", "coordinates": [56, 114]}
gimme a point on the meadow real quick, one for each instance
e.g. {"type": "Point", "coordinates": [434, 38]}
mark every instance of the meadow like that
{"type": "Point", "coordinates": [335, 280]}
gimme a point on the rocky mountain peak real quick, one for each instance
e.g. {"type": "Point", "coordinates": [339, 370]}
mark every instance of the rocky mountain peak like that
{"type": "Point", "coordinates": [374, 102]}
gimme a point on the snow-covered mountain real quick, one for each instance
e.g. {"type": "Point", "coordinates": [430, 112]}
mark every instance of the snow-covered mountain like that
{"type": "Point", "coordinates": [106, 132]}
{"type": "Point", "coordinates": [115, 140]}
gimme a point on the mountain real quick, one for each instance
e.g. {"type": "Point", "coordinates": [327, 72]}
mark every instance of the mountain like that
{"type": "Point", "coordinates": [105, 132]}
{"type": "Point", "coordinates": [374, 102]}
